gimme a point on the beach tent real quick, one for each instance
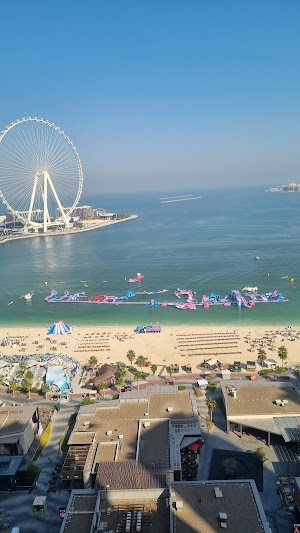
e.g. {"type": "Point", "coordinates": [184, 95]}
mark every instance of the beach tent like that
{"type": "Point", "coordinates": [59, 328]}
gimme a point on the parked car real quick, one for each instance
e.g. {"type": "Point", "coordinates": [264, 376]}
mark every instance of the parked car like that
{"type": "Point", "coordinates": [62, 512]}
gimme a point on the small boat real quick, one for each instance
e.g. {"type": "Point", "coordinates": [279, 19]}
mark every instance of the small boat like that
{"type": "Point", "coordinates": [27, 296]}
{"type": "Point", "coordinates": [256, 257]}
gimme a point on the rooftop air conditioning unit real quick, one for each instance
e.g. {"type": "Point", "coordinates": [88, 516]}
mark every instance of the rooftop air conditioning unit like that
{"type": "Point", "coordinates": [86, 423]}
{"type": "Point", "coordinates": [223, 525]}
{"type": "Point", "coordinates": [223, 516]}
{"type": "Point", "coordinates": [146, 424]}
{"type": "Point", "coordinates": [284, 402]}
{"type": "Point", "coordinates": [218, 493]}
{"type": "Point", "coordinates": [146, 414]}
{"type": "Point", "coordinates": [109, 433]}
{"type": "Point", "coordinates": [170, 409]}
{"type": "Point", "coordinates": [120, 436]}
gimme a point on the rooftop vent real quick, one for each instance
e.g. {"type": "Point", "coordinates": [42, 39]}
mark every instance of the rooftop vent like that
{"type": "Point", "coordinates": [218, 492]}
{"type": "Point", "coordinates": [170, 409]}
{"type": "Point", "coordinates": [179, 505]}
{"type": "Point", "coordinates": [223, 516]}
{"type": "Point", "coordinates": [109, 433]}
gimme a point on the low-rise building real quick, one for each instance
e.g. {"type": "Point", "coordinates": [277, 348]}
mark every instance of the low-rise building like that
{"type": "Point", "coordinates": [18, 426]}
{"type": "Point", "coordinates": [133, 442]}
{"type": "Point", "coordinates": [184, 507]}
{"type": "Point", "coordinates": [273, 408]}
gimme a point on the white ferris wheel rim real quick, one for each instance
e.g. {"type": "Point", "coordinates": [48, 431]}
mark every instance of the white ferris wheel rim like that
{"type": "Point", "coordinates": [77, 160]}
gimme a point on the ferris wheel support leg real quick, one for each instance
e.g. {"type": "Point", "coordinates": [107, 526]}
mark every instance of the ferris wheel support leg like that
{"type": "Point", "coordinates": [36, 178]}
{"type": "Point", "coordinates": [45, 200]}
{"type": "Point", "coordinates": [58, 202]}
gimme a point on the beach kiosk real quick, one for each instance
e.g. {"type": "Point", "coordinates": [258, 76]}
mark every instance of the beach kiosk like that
{"type": "Point", "coordinates": [39, 504]}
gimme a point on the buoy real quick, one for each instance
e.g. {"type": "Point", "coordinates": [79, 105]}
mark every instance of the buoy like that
{"type": "Point", "coordinates": [46, 282]}
{"type": "Point", "coordinates": [292, 280]}
{"type": "Point", "coordinates": [268, 274]}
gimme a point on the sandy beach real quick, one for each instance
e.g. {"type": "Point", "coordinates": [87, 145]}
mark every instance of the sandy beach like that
{"type": "Point", "coordinates": [175, 344]}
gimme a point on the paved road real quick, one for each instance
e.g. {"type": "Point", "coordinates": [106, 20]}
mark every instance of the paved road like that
{"type": "Point", "coordinates": [19, 504]}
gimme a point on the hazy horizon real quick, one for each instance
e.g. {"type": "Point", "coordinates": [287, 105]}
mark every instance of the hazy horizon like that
{"type": "Point", "coordinates": [160, 95]}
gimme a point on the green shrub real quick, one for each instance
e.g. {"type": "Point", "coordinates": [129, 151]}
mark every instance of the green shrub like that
{"type": "Point", "coordinates": [87, 401]}
{"type": "Point", "coordinates": [43, 441]}
{"type": "Point", "coordinates": [181, 387]}
{"type": "Point", "coordinates": [198, 392]}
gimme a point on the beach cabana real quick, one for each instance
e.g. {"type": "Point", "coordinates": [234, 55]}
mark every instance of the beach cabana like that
{"type": "Point", "coordinates": [59, 328]}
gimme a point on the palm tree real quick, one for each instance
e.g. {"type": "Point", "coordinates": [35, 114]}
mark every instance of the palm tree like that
{"type": "Point", "coordinates": [170, 371]}
{"type": "Point", "coordinates": [137, 377]}
{"type": "Point", "coordinates": [93, 361]}
{"type": "Point", "coordinates": [45, 388]}
{"type": "Point", "coordinates": [141, 361]}
{"type": "Point", "coordinates": [29, 376]}
{"type": "Point", "coordinates": [282, 353]}
{"type": "Point", "coordinates": [297, 370]}
{"type": "Point", "coordinates": [121, 372]}
{"type": "Point", "coordinates": [120, 381]}
{"type": "Point", "coordinates": [23, 366]}
{"type": "Point", "coordinates": [100, 386]}
{"type": "Point", "coordinates": [261, 356]}
{"type": "Point", "coordinates": [211, 404]}
{"type": "Point", "coordinates": [130, 356]}
{"type": "Point", "coordinates": [153, 369]}
{"type": "Point", "coordinates": [13, 387]}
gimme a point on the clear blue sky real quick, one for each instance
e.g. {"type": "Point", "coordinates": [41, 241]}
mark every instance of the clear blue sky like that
{"type": "Point", "coordinates": [160, 93]}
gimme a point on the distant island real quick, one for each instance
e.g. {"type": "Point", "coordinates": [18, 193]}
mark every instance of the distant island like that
{"type": "Point", "coordinates": [291, 187]}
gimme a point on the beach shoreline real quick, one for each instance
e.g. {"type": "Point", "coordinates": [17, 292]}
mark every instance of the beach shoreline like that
{"type": "Point", "coordinates": [174, 345]}
{"type": "Point", "coordinates": [92, 226]}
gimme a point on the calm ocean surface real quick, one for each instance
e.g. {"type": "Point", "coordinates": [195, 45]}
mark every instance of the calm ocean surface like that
{"type": "Point", "coordinates": [206, 245]}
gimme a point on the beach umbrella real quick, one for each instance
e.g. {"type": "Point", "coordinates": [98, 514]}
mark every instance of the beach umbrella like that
{"type": "Point", "coordinates": [59, 328]}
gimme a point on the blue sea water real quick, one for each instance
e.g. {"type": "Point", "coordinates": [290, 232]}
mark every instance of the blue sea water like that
{"type": "Point", "coordinates": [205, 245]}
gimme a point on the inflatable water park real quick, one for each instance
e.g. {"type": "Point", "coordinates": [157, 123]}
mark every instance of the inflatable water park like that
{"type": "Point", "coordinates": [184, 299]}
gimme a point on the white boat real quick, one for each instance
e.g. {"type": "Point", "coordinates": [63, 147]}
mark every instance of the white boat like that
{"type": "Point", "coordinates": [27, 296]}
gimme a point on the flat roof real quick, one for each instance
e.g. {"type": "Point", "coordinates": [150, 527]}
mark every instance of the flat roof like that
{"type": "Point", "coordinates": [200, 508]}
{"type": "Point", "coordinates": [127, 475]}
{"type": "Point", "coordinates": [154, 514]}
{"type": "Point", "coordinates": [10, 464]}
{"type": "Point", "coordinates": [107, 422]}
{"type": "Point", "coordinates": [80, 513]}
{"type": "Point", "coordinates": [154, 442]}
{"type": "Point", "coordinates": [254, 399]}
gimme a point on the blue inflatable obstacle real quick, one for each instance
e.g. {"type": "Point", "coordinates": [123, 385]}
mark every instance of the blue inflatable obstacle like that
{"type": "Point", "coordinates": [129, 294]}
{"type": "Point", "coordinates": [153, 303]}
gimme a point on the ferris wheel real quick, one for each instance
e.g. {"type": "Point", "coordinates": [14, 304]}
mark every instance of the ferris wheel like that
{"type": "Point", "coordinates": [40, 173]}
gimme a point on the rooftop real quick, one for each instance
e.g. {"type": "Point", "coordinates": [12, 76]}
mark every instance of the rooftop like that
{"type": "Point", "coordinates": [81, 513]}
{"type": "Point", "coordinates": [254, 399]}
{"type": "Point", "coordinates": [128, 475]}
{"type": "Point", "coordinates": [118, 422]}
{"type": "Point", "coordinates": [197, 506]}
